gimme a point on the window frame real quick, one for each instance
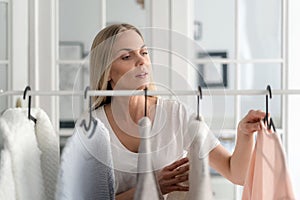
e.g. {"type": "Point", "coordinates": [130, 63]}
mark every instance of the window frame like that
{"type": "Point", "coordinates": [7, 63]}
{"type": "Point", "coordinates": [157, 17]}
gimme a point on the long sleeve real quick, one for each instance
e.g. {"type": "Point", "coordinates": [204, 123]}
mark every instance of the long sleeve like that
{"type": "Point", "coordinates": [86, 170]}
{"type": "Point", "coordinates": [7, 185]}
{"type": "Point", "coordinates": [20, 142]}
{"type": "Point", "coordinates": [48, 143]}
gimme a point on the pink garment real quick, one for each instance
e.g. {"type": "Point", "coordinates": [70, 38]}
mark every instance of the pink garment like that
{"type": "Point", "coordinates": [268, 177]}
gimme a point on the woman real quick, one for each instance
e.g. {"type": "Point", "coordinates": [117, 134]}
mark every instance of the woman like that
{"type": "Point", "coordinates": [120, 61]}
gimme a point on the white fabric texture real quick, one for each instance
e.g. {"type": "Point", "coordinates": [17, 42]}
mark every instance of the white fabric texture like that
{"type": "Point", "coordinates": [147, 187]}
{"type": "Point", "coordinates": [20, 142]}
{"type": "Point", "coordinates": [86, 171]}
{"type": "Point", "coordinates": [169, 142]}
{"type": "Point", "coordinates": [7, 184]}
{"type": "Point", "coordinates": [48, 143]}
{"type": "Point", "coordinates": [199, 175]}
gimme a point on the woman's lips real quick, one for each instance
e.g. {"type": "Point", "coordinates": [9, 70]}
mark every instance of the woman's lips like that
{"type": "Point", "coordinates": [142, 75]}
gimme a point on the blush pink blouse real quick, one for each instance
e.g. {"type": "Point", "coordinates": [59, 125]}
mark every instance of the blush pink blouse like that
{"type": "Point", "coordinates": [268, 176]}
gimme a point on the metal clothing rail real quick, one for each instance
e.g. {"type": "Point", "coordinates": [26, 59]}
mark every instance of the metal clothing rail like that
{"type": "Point", "coordinates": [206, 92]}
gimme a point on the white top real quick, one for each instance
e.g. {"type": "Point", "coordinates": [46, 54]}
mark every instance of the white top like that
{"type": "Point", "coordinates": [18, 133]}
{"type": "Point", "coordinates": [168, 142]}
{"type": "Point", "coordinates": [86, 171]}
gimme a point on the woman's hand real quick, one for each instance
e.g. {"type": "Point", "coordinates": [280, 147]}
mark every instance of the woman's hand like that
{"type": "Point", "coordinates": [170, 176]}
{"type": "Point", "coordinates": [251, 122]}
{"type": "Point", "coordinates": [234, 166]}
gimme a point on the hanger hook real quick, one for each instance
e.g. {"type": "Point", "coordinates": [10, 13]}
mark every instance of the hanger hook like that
{"type": "Point", "coordinates": [146, 94]}
{"type": "Point", "coordinates": [25, 92]}
{"type": "Point", "coordinates": [267, 103]}
{"type": "Point", "coordinates": [270, 91]}
{"type": "Point", "coordinates": [90, 104]}
{"type": "Point", "coordinates": [29, 103]}
{"type": "Point", "coordinates": [83, 123]}
{"type": "Point", "coordinates": [200, 91]}
{"type": "Point", "coordinates": [85, 91]}
{"type": "Point", "coordinates": [199, 96]}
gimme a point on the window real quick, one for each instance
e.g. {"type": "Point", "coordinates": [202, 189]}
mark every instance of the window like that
{"type": "Point", "coordinates": [4, 52]}
{"type": "Point", "coordinates": [251, 33]}
{"type": "Point", "coordinates": [79, 22]}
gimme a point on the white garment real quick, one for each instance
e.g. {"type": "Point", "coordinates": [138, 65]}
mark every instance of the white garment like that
{"type": "Point", "coordinates": [20, 142]}
{"type": "Point", "coordinates": [48, 143]}
{"type": "Point", "coordinates": [7, 184]}
{"type": "Point", "coordinates": [147, 187]}
{"type": "Point", "coordinates": [199, 175]}
{"type": "Point", "coordinates": [168, 142]}
{"type": "Point", "coordinates": [86, 170]}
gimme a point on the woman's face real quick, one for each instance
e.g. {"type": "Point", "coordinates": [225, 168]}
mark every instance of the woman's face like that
{"type": "Point", "coordinates": [131, 65]}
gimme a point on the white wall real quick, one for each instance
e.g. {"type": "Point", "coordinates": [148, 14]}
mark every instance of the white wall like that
{"type": "Point", "coordinates": [293, 136]}
{"type": "Point", "coordinates": [171, 42]}
{"type": "Point", "coordinates": [19, 58]}
{"type": "Point", "coordinates": [127, 11]}
{"type": "Point", "coordinates": [259, 37]}
{"type": "Point", "coordinates": [217, 24]}
{"type": "Point", "coordinates": [3, 52]}
{"type": "Point", "coordinates": [46, 73]}
{"type": "Point", "coordinates": [4, 29]}
{"type": "Point", "coordinates": [79, 21]}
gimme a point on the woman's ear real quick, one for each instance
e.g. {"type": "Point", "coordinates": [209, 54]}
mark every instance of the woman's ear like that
{"type": "Point", "coordinates": [109, 76]}
{"type": "Point", "coordinates": [109, 84]}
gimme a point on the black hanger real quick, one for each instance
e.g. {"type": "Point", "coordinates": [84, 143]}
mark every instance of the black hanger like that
{"type": "Point", "coordinates": [198, 102]}
{"type": "Point", "coordinates": [146, 90]}
{"type": "Point", "coordinates": [92, 119]}
{"type": "Point", "coordinates": [271, 123]}
{"type": "Point", "coordinates": [29, 104]}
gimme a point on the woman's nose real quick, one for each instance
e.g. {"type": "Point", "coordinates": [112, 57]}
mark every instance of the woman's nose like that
{"type": "Point", "coordinates": [140, 60]}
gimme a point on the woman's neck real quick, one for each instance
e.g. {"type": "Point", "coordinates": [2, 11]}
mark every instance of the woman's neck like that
{"type": "Point", "coordinates": [125, 112]}
{"type": "Point", "coordinates": [132, 108]}
{"type": "Point", "coordinates": [128, 108]}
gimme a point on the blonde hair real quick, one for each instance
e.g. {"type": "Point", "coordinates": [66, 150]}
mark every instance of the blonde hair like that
{"type": "Point", "coordinates": [101, 60]}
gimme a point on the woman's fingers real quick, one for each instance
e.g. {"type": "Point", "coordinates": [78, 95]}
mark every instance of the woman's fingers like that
{"type": "Point", "coordinates": [252, 127]}
{"type": "Point", "coordinates": [175, 180]}
{"type": "Point", "coordinates": [177, 163]}
{"type": "Point", "coordinates": [181, 170]}
{"type": "Point", "coordinates": [171, 176]}
{"type": "Point", "coordinates": [178, 175]}
{"type": "Point", "coordinates": [177, 188]}
{"type": "Point", "coordinates": [251, 122]}
{"type": "Point", "coordinates": [255, 115]}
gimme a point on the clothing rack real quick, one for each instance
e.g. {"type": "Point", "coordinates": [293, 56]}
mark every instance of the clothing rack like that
{"type": "Point", "coordinates": [205, 92]}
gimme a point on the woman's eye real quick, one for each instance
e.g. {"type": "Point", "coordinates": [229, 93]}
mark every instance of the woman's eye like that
{"type": "Point", "coordinates": [125, 57]}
